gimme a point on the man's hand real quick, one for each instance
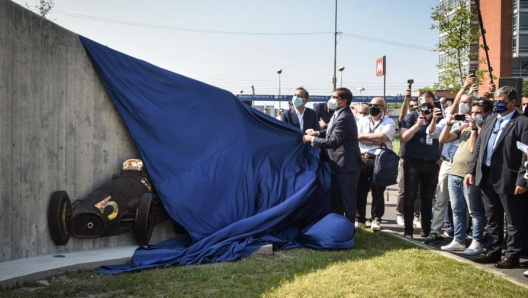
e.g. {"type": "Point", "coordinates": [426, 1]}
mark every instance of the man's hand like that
{"type": "Point", "coordinates": [470, 80]}
{"type": "Point", "coordinates": [322, 124]}
{"type": "Point", "coordinates": [468, 180]}
{"type": "Point", "coordinates": [470, 121]}
{"type": "Point", "coordinates": [307, 139]}
{"type": "Point", "coordinates": [437, 113]}
{"type": "Point", "coordinates": [439, 162]}
{"type": "Point", "coordinates": [519, 190]}
{"type": "Point", "coordinates": [407, 93]}
{"type": "Point", "coordinates": [311, 132]}
{"type": "Point", "coordinates": [491, 88]}
{"type": "Point", "coordinates": [474, 88]}
{"type": "Point", "coordinates": [419, 121]}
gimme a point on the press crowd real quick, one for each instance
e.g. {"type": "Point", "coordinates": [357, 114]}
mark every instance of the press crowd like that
{"type": "Point", "coordinates": [460, 172]}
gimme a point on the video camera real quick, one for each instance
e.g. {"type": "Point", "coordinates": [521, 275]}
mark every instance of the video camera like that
{"type": "Point", "coordinates": [410, 82]}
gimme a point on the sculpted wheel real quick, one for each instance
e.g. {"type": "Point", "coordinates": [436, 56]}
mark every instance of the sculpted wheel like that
{"type": "Point", "coordinates": [144, 219]}
{"type": "Point", "coordinates": [59, 216]}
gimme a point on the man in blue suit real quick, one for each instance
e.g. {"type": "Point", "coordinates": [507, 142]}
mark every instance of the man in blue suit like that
{"type": "Point", "coordinates": [497, 166]}
{"type": "Point", "coordinates": [299, 115]}
{"type": "Point", "coordinates": [340, 140]}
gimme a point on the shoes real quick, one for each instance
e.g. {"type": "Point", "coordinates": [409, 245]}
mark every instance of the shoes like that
{"type": "Point", "coordinates": [453, 246]}
{"type": "Point", "coordinates": [507, 263]}
{"type": "Point", "coordinates": [526, 273]}
{"type": "Point", "coordinates": [474, 249]}
{"type": "Point", "coordinates": [399, 220]}
{"type": "Point", "coordinates": [433, 238]}
{"type": "Point", "coordinates": [416, 222]}
{"type": "Point", "coordinates": [375, 225]}
{"type": "Point", "coordinates": [360, 224]}
{"type": "Point", "coordinates": [487, 259]}
{"type": "Point", "coordinates": [449, 233]}
{"type": "Point", "coordinates": [408, 236]}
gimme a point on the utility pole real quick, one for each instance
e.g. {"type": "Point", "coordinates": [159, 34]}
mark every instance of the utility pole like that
{"type": "Point", "coordinates": [334, 80]}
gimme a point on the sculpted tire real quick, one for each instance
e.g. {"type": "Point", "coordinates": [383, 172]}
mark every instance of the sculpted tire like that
{"type": "Point", "coordinates": [59, 216]}
{"type": "Point", "coordinates": [144, 219]}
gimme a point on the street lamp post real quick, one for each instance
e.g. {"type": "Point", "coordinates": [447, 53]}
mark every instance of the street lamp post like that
{"type": "Point", "coordinates": [341, 71]}
{"type": "Point", "coordinates": [279, 71]}
{"type": "Point", "coordinates": [335, 47]}
{"type": "Point", "coordinates": [360, 89]}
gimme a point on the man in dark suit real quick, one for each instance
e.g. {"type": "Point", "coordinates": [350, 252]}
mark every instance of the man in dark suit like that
{"type": "Point", "coordinates": [323, 114]}
{"type": "Point", "coordinates": [299, 115]}
{"type": "Point", "coordinates": [497, 166]}
{"type": "Point", "coordinates": [340, 140]}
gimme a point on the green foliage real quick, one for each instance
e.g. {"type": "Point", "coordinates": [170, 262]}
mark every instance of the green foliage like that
{"type": "Point", "coordinates": [525, 87]}
{"type": "Point", "coordinates": [458, 32]}
{"type": "Point", "coordinates": [44, 7]}
{"type": "Point", "coordinates": [430, 89]}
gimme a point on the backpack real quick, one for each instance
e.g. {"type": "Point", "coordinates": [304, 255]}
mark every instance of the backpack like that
{"type": "Point", "coordinates": [385, 167]}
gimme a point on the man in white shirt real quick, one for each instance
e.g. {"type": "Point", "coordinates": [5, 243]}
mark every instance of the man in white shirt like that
{"type": "Point", "coordinates": [373, 131]}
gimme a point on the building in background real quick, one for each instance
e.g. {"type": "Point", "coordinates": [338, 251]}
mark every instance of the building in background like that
{"type": "Point", "coordinates": [506, 25]}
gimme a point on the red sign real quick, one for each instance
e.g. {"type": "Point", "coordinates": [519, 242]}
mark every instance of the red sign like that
{"type": "Point", "coordinates": [380, 66]}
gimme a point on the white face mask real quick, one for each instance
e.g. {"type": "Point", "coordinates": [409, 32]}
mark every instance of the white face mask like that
{"type": "Point", "coordinates": [332, 104]}
{"type": "Point", "coordinates": [479, 119]}
{"type": "Point", "coordinates": [463, 108]}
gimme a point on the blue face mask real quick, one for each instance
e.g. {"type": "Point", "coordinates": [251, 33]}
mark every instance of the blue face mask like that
{"type": "Point", "coordinates": [297, 101]}
{"type": "Point", "coordinates": [500, 107]}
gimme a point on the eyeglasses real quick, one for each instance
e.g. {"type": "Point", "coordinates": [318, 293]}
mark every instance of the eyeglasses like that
{"type": "Point", "coordinates": [374, 105]}
{"type": "Point", "coordinates": [478, 103]}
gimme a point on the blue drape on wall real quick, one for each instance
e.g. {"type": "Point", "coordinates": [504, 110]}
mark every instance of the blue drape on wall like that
{"type": "Point", "coordinates": [234, 177]}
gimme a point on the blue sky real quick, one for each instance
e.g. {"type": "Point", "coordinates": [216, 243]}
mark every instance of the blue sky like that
{"type": "Point", "coordinates": [241, 43]}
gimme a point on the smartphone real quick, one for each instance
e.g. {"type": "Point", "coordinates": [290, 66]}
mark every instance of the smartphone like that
{"type": "Point", "coordinates": [460, 117]}
{"type": "Point", "coordinates": [472, 72]}
{"type": "Point", "coordinates": [438, 105]}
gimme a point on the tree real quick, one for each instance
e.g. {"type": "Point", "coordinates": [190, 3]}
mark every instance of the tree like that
{"type": "Point", "coordinates": [457, 32]}
{"type": "Point", "coordinates": [44, 7]}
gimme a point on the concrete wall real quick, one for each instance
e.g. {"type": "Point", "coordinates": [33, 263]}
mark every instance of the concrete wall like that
{"type": "Point", "coordinates": [59, 131]}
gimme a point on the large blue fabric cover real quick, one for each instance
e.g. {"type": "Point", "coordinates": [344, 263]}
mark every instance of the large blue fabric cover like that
{"type": "Point", "coordinates": [234, 177]}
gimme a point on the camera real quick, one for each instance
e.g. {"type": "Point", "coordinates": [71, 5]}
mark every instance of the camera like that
{"type": "Point", "coordinates": [472, 72]}
{"type": "Point", "coordinates": [460, 117]}
{"type": "Point", "coordinates": [410, 82]}
{"type": "Point", "coordinates": [422, 103]}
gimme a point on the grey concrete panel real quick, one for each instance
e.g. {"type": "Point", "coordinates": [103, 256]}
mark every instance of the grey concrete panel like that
{"type": "Point", "coordinates": [60, 131]}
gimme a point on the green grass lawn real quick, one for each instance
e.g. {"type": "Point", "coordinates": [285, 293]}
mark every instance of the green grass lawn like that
{"type": "Point", "coordinates": [379, 266]}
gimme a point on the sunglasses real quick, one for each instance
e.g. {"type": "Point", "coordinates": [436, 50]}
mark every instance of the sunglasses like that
{"type": "Point", "coordinates": [376, 106]}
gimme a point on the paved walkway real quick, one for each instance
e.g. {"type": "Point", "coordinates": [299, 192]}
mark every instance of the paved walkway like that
{"type": "Point", "coordinates": [389, 225]}
{"type": "Point", "coordinates": [36, 268]}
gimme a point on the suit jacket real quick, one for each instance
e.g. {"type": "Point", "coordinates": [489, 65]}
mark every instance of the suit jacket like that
{"type": "Point", "coordinates": [341, 143]}
{"type": "Point", "coordinates": [507, 162]}
{"type": "Point", "coordinates": [309, 119]}
{"type": "Point", "coordinates": [321, 111]}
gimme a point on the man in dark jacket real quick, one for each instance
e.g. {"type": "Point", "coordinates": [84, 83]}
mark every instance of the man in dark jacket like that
{"type": "Point", "coordinates": [340, 140]}
{"type": "Point", "coordinates": [299, 115]}
{"type": "Point", "coordinates": [497, 166]}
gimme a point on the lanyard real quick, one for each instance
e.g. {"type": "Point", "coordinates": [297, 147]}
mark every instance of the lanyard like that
{"type": "Point", "coordinates": [371, 130]}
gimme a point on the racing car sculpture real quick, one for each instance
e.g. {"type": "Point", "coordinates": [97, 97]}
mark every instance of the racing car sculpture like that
{"type": "Point", "coordinates": [126, 203]}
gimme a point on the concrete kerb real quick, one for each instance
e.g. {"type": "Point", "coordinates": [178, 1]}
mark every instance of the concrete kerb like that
{"type": "Point", "coordinates": [457, 258]}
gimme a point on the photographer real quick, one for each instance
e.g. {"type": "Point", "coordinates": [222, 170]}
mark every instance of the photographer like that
{"type": "Point", "coordinates": [418, 131]}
